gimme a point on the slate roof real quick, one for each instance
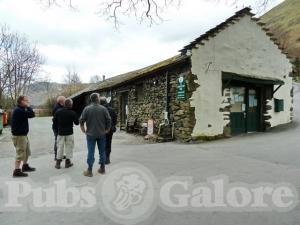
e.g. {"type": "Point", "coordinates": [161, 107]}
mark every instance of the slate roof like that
{"type": "Point", "coordinates": [127, 77]}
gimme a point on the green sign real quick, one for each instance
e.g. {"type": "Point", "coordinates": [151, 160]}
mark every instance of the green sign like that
{"type": "Point", "coordinates": [181, 89]}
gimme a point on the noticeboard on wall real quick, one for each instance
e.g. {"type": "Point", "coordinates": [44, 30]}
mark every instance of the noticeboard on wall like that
{"type": "Point", "coordinates": [279, 105]}
{"type": "Point", "coordinates": [150, 127]}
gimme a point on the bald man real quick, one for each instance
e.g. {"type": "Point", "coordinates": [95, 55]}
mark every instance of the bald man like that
{"type": "Point", "coordinates": [60, 102]}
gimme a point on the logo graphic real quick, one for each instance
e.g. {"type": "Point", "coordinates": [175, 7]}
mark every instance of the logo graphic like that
{"type": "Point", "coordinates": [128, 193]}
{"type": "Point", "coordinates": [131, 189]}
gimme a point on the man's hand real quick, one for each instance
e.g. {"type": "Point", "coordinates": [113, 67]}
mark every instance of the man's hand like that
{"type": "Point", "coordinates": [83, 129]}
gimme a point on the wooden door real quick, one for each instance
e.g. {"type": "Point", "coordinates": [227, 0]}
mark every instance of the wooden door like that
{"type": "Point", "coordinates": [238, 113]}
{"type": "Point", "coordinates": [253, 110]}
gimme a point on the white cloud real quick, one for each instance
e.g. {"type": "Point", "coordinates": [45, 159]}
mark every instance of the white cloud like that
{"type": "Point", "coordinates": [91, 44]}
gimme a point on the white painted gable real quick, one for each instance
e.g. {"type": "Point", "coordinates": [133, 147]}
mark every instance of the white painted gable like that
{"type": "Point", "coordinates": [242, 48]}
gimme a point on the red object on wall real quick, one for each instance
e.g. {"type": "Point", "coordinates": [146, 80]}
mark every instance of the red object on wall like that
{"type": "Point", "coordinates": [5, 119]}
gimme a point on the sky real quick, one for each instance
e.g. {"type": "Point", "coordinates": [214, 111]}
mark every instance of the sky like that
{"type": "Point", "coordinates": [85, 41]}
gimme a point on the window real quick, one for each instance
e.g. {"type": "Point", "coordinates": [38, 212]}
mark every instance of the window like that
{"type": "Point", "coordinates": [279, 105]}
{"type": "Point", "coordinates": [139, 92]}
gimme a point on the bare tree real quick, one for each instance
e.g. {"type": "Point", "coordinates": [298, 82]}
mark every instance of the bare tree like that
{"type": "Point", "coordinates": [72, 76]}
{"type": "Point", "coordinates": [20, 62]}
{"type": "Point", "coordinates": [95, 79]}
{"type": "Point", "coordinates": [5, 70]}
{"type": "Point", "coordinates": [59, 3]}
{"type": "Point", "coordinates": [72, 81]}
{"type": "Point", "coordinates": [144, 10]}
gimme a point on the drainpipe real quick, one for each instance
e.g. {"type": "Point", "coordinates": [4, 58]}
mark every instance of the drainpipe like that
{"type": "Point", "coordinates": [167, 116]}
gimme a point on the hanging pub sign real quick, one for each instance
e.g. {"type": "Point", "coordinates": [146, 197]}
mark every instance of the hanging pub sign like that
{"type": "Point", "coordinates": [181, 89]}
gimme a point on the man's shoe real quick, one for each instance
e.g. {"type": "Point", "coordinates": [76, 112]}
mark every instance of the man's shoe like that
{"type": "Point", "coordinates": [27, 168]}
{"type": "Point", "coordinates": [102, 169]}
{"type": "Point", "coordinates": [19, 173]}
{"type": "Point", "coordinates": [68, 163]}
{"type": "Point", "coordinates": [88, 173]}
{"type": "Point", "coordinates": [57, 165]}
{"type": "Point", "coordinates": [107, 161]}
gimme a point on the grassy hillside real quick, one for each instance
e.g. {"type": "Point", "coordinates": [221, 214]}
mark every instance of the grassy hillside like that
{"type": "Point", "coordinates": [284, 22]}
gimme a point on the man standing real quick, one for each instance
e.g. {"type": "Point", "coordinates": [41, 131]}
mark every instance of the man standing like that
{"type": "Point", "coordinates": [63, 122]}
{"type": "Point", "coordinates": [19, 130]}
{"type": "Point", "coordinates": [59, 105]}
{"type": "Point", "coordinates": [98, 124]}
{"type": "Point", "coordinates": [113, 128]}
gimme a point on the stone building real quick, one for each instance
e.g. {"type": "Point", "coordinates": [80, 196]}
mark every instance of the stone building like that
{"type": "Point", "coordinates": [233, 79]}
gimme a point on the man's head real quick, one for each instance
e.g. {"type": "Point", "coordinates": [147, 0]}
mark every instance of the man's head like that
{"type": "Point", "coordinates": [95, 98]}
{"type": "Point", "coordinates": [68, 103]}
{"type": "Point", "coordinates": [61, 100]}
{"type": "Point", "coordinates": [103, 100]}
{"type": "Point", "coordinates": [23, 101]}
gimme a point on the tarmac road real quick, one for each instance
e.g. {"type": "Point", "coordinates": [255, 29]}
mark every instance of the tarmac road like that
{"type": "Point", "coordinates": [261, 157]}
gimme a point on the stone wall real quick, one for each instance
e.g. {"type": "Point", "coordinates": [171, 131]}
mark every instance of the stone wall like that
{"type": "Point", "coordinates": [154, 103]}
{"type": "Point", "coordinates": [151, 106]}
{"type": "Point", "coordinates": [181, 112]}
{"type": "Point", "coordinates": [226, 109]}
{"type": "Point", "coordinates": [159, 90]}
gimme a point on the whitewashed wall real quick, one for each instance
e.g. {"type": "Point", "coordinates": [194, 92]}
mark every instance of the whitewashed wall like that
{"type": "Point", "coordinates": [242, 48]}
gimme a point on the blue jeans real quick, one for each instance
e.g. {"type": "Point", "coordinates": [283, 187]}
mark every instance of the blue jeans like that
{"type": "Point", "coordinates": [91, 144]}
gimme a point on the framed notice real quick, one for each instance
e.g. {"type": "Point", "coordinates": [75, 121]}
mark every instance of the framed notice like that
{"type": "Point", "coordinates": [150, 129]}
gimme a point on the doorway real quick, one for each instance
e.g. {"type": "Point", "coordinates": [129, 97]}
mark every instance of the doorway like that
{"type": "Point", "coordinates": [123, 109]}
{"type": "Point", "coordinates": [245, 113]}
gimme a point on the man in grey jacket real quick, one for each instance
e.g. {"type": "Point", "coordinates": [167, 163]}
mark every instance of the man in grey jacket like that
{"type": "Point", "coordinates": [98, 124]}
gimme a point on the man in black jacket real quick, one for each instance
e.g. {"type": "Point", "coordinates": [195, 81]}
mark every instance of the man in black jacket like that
{"type": "Point", "coordinates": [59, 105]}
{"type": "Point", "coordinates": [63, 122]}
{"type": "Point", "coordinates": [113, 129]}
{"type": "Point", "coordinates": [19, 130]}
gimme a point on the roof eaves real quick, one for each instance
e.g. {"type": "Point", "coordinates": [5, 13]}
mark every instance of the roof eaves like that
{"type": "Point", "coordinates": [273, 39]}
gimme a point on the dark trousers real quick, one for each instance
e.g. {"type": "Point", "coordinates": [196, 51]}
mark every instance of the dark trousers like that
{"type": "Point", "coordinates": [55, 144]}
{"type": "Point", "coordinates": [108, 143]}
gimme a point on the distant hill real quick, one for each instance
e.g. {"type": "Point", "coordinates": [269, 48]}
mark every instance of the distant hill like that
{"type": "Point", "coordinates": [284, 23]}
{"type": "Point", "coordinates": [40, 92]}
